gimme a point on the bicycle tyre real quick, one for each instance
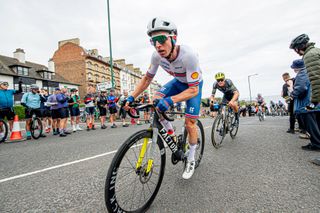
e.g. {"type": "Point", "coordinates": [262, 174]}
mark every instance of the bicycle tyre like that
{"type": "Point", "coordinates": [199, 157]}
{"type": "Point", "coordinates": [5, 130]}
{"type": "Point", "coordinates": [214, 132]}
{"type": "Point", "coordinates": [111, 199]}
{"type": "Point", "coordinates": [32, 128]}
{"type": "Point", "coordinates": [234, 130]}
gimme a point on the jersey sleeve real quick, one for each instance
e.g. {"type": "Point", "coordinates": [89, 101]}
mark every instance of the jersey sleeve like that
{"type": "Point", "coordinates": [214, 89]}
{"type": "Point", "coordinates": [233, 88]}
{"type": "Point", "coordinates": [155, 61]}
{"type": "Point", "coordinates": [24, 98]}
{"type": "Point", "coordinates": [192, 70]}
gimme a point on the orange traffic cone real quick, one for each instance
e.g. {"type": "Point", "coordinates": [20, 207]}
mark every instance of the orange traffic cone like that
{"type": "Point", "coordinates": [16, 131]}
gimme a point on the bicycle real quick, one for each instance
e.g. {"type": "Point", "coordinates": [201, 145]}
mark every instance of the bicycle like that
{"type": "Point", "coordinates": [224, 122]}
{"type": "Point", "coordinates": [260, 114]}
{"type": "Point", "coordinates": [136, 171]}
{"type": "Point", "coordinates": [84, 114]}
{"type": "Point", "coordinates": [36, 127]}
{"type": "Point", "coordinates": [4, 130]}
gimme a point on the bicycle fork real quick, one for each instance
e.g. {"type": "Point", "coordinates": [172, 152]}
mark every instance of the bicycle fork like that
{"type": "Point", "coordinates": [151, 152]}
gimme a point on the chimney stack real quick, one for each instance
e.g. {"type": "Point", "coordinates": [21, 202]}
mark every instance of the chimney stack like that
{"type": "Point", "coordinates": [19, 54]}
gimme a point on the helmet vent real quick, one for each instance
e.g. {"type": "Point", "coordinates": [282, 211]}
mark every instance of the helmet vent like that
{"type": "Point", "coordinates": [166, 23]}
{"type": "Point", "coordinates": [153, 22]}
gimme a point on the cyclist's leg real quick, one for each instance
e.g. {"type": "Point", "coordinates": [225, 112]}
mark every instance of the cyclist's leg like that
{"type": "Point", "coordinates": [171, 88]}
{"type": "Point", "coordinates": [10, 115]}
{"type": "Point", "coordinates": [192, 113]}
{"type": "Point", "coordinates": [28, 113]}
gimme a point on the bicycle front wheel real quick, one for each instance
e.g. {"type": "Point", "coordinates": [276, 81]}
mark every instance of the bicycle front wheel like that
{"type": "Point", "coordinates": [234, 126]}
{"type": "Point", "coordinates": [132, 182]}
{"type": "Point", "coordinates": [3, 130]}
{"type": "Point", "coordinates": [200, 143]}
{"type": "Point", "coordinates": [36, 128]}
{"type": "Point", "coordinates": [218, 131]}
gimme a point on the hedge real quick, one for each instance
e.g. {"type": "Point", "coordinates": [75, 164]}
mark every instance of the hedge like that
{"type": "Point", "coordinates": [19, 110]}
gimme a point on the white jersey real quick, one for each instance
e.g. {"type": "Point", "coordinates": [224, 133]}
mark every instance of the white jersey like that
{"type": "Point", "coordinates": [185, 68]}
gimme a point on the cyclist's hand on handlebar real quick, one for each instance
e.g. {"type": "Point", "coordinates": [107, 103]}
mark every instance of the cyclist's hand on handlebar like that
{"type": "Point", "coordinates": [164, 104]}
{"type": "Point", "coordinates": [128, 101]}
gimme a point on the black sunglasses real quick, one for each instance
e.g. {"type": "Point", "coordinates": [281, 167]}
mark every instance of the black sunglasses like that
{"type": "Point", "coordinates": [220, 80]}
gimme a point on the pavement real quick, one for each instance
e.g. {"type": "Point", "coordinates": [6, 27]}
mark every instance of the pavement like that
{"type": "Point", "coordinates": [262, 170]}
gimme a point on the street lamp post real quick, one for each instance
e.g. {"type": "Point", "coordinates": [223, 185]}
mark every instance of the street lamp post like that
{"type": "Point", "coordinates": [110, 47]}
{"type": "Point", "coordinates": [250, 85]}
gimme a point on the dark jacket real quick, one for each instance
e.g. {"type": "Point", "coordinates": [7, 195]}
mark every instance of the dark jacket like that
{"type": "Point", "coordinates": [301, 91]}
{"type": "Point", "coordinates": [311, 59]}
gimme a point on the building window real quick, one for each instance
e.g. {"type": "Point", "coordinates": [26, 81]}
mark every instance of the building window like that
{"type": "Point", "coordinates": [47, 75]}
{"type": "Point", "coordinates": [96, 67]}
{"type": "Point", "coordinates": [25, 87]}
{"type": "Point", "coordinates": [97, 78]}
{"type": "Point", "coordinates": [108, 71]}
{"type": "Point", "coordinates": [103, 69]}
{"type": "Point", "coordinates": [103, 79]}
{"type": "Point", "coordinates": [89, 65]}
{"type": "Point", "coordinates": [89, 76]}
{"type": "Point", "coordinates": [23, 71]}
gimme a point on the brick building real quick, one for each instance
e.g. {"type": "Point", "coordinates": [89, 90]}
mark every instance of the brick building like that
{"type": "Point", "coordinates": [83, 66]}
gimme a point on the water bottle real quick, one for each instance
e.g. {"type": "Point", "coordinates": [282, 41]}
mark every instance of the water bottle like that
{"type": "Point", "coordinates": [168, 126]}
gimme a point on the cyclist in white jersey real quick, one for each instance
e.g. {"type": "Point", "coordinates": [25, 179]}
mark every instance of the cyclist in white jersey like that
{"type": "Point", "coordinates": [183, 64]}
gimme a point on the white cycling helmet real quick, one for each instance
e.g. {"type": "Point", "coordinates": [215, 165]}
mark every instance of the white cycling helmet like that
{"type": "Point", "coordinates": [161, 24]}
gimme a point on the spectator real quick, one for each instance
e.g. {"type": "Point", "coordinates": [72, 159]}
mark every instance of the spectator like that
{"type": "Point", "coordinates": [45, 110]}
{"type": "Point", "coordinates": [74, 102]}
{"type": "Point", "coordinates": [55, 112]}
{"type": "Point", "coordinates": [31, 102]}
{"type": "Point", "coordinates": [287, 89]}
{"type": "Point", "coordinates": [62, 99]}
{"type": "Point", "coordinates": [112, 101]}
{"type": "Point", "coordinates": [145, 99]}
{"type": "Point", "coordinates": [301, 96]}
{"type": "Point", "coordinates": [123, 112]}
{"type": "Point", "coordinates": [89, 101]}
{"type": "Point", "coordinates": [102, 104]}
{"type": "Point", "coordinates": [6, 102]}
{"type": "Point", "coordinates": [311, 58]}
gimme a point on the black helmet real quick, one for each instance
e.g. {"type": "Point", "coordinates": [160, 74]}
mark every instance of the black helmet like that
{"type": "Point", "coordinates": [299, 42]}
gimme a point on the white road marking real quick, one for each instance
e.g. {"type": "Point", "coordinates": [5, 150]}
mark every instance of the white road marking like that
{"type": "Point", "coordinates": [65, 164]}
{"type": "Point", "coordinates": [61, 165]}
{"type": "Point", "coordinates": [56, 167]}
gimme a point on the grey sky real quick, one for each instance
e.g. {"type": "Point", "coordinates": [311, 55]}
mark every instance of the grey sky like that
{"type": "Point", "coordinates": [236, 37]}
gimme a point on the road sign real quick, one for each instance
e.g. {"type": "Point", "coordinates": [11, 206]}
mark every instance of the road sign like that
{"type": "Point", "coordinates": [104, 86]}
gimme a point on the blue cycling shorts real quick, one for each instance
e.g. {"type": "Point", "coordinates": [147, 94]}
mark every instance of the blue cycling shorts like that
{"type": "Point", "coordinates": [175, 87]}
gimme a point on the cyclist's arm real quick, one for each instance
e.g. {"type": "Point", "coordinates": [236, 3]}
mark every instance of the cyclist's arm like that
{"type": "Point", "coordinates": [24, 99]}
{"type": "Point", "coordinates": [213, 93]}
{"type": "Point", "coordinates": [235, 96]}
{"type": "Point", "coordinates": [147, 78]}
{"type": "Point", "coordinates": [142, 85]}
{"type": "Point", "coordinates": [186, 95]}
{"type": "Point", "coordinates": [193, 73]}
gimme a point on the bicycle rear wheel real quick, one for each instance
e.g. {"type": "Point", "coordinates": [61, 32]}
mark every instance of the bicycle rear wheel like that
{"type": "Point", "coordinates": [234, 126]}
{"type": "Point", "coordinates": [132, 189]}
{"type": "Point", "coordinates": [36, 128]}
{"type": "Point", "coordinates": [201, 142]}
{"type": "Point", "coordinates": [218, 131]}
{"type": "Point", "coordinates": [4, 130]}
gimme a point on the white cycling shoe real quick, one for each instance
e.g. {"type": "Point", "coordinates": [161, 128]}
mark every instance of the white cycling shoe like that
{"type": "Point", "coordinates": [189, 170]}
